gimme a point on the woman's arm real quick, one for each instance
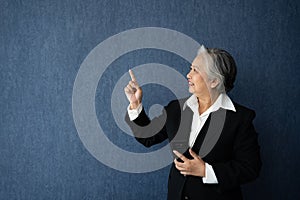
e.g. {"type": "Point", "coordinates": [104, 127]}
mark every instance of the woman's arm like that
{"type": "Point", "coordinates": [246, 163]}
{"type": "Point", "coordinates": [145, 131]}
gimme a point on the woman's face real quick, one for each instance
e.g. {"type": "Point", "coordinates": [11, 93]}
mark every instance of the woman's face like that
{"type": "Point", "coordinates": [197, 78]}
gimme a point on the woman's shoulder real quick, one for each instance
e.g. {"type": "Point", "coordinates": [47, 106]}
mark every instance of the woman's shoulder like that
{"type": "Point", "coordinates": [243, 110]}
{"type": "Point", "coordinates": [177, 103]}
{"type": "Point", "coordinates": [174, 107]}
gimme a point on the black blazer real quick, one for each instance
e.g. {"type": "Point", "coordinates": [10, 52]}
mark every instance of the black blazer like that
{"type": "Point", "coordinates": [235, 157]}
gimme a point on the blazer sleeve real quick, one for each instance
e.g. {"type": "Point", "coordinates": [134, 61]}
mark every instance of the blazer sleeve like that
{"type": "Point", "coordinates": [246, 163]}
{"type": "Point", "coordinates": [148, 132]}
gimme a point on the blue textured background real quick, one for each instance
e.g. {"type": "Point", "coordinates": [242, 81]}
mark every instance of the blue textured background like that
{"type": "Point", "coordinates": [43, 43]}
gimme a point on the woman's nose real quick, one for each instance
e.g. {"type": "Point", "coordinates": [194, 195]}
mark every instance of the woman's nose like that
{"type": "Point", "coordinates": [188, 75]}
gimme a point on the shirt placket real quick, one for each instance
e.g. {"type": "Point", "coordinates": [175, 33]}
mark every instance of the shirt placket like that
{"type": "Point", "coordinates": [197, 129]}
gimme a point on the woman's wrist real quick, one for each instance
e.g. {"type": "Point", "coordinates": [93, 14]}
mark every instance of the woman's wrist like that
{"type": "Point", "coordinates": [134, 105]}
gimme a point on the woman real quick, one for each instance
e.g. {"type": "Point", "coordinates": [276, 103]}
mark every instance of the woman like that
{"type": "Point", "coordinates": [212, 137]}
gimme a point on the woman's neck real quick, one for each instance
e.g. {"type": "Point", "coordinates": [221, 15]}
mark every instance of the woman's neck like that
{"type": "Point", "coordinates": [206, 102]}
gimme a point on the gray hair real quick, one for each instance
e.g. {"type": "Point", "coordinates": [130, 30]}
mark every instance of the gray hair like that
{"type": "Point", "coordinates": [220, 65]}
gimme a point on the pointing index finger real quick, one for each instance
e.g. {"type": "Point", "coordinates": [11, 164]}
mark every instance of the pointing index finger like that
{"type": "Point", "coordinates": [132, 75]}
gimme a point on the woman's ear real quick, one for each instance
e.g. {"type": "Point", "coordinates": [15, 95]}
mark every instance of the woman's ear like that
{"type": "Point", "coordinates": [214, 83]}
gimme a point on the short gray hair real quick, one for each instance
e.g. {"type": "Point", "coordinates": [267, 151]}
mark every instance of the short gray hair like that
{"type": "Point", "coordinates": [220, 65]}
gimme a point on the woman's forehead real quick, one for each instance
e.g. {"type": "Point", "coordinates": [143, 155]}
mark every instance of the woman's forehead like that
{"type": "Point", "coordinates": [198, 62]}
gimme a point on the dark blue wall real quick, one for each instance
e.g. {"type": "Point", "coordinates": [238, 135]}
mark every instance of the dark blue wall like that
{"type": "Point", "coordinates": [43, 43]}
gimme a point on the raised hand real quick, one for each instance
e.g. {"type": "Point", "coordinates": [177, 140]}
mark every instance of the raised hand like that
{"type": "Point", "coordinates": [133, 92]}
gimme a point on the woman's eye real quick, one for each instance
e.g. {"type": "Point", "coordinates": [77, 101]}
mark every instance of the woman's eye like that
{"type": "Point", "coordinates": [193, 69]}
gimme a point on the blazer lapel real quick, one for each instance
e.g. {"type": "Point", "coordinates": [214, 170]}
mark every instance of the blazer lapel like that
{"type": "Point", "coordinates": [181, 139]}
{"type": "Point", "coordinates": [214, 131]}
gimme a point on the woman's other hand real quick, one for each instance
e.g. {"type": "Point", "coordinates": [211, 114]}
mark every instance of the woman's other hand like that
{"type": "Point", "coordinates": [193, 167]}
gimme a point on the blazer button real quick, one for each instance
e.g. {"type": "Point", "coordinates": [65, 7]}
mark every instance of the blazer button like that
{"type": "Point", "coordinates": [185, 197]}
